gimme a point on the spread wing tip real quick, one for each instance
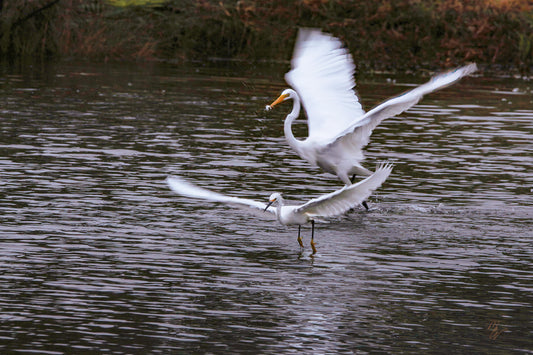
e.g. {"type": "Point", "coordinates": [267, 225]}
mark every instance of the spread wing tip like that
{"type": "Point", "coordinates": [387, 165]}
{"type": "Point", "coordinates": [468, 69]}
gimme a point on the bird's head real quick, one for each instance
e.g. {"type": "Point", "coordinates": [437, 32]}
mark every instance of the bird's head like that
{"type": "Point", "coordinates": [275, 197]}
{"type": "Point", "coordinates": [285, 95]}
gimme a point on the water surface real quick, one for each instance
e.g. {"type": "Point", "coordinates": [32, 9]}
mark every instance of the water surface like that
{"type": "Point", "coordinates": [97, 254]}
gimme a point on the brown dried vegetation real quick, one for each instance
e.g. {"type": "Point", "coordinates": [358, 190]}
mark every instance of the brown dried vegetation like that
{"type": "Point", "coordinates": [383, 34]}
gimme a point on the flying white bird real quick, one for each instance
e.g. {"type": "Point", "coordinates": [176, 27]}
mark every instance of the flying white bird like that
{"type": "Point", "coordinates": [322, 75]}
{"type": "Point", "coordinates": [329, 205]}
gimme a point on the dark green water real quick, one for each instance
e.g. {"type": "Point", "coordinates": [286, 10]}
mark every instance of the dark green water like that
{"type": "Point", "coordinates": [98, 255]}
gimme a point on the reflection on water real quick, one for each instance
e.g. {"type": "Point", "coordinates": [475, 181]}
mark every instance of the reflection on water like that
{"type": "Point", "coordinates": [97, 254]}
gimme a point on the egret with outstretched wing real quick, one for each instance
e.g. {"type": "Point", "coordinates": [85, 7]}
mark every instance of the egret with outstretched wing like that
{"type": "Point", "coordinates": [322, 76]}
{"type": "Point", "coordinates": [329, 205]}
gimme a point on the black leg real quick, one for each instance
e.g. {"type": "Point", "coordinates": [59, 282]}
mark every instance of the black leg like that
{"type": "Point", "coordinates": [313, 237]}
{"type": "Point", "coordinates": [364, 202]}
{"type": "Point", "coordinates": [300, 238]}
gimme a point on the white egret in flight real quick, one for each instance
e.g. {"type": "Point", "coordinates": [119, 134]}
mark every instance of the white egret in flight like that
{"type": "Point", "coordinates": [329, 205]}
{"type": "Point", "coordinates": [338, 127]}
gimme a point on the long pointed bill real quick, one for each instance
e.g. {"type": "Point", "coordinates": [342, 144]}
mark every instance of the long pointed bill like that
{"type": "Point", "coordinates": [281, 98]}
{"type": "Point", "coordinates": [269, 203]}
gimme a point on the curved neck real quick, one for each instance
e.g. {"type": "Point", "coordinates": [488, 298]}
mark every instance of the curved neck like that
{"type": "Point", "coordinates": [293, 142]}
{"type": "Point", "coordinates": [279, 204]}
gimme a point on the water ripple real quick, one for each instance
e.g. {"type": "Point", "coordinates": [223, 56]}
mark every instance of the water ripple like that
{"type": "Point", "coordinates": [97, 255]}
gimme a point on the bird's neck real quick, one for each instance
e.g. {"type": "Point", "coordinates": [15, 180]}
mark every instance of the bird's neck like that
{"type": "Point", "coordinates": [279, 205]}
{"type": "Point", "coordinates": [289, 136]}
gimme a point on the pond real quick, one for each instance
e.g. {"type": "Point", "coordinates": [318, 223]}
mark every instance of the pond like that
{"type": "Point", "coordinates": [98, 255]}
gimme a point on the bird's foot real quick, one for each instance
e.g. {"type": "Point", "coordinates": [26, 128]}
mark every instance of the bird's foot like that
{"type": "Point", "coordinates": [300, 241]}
{"type": "Point", "coordinates": [313, 247]}
{"type": "Point", "coordinates": [365, 205]}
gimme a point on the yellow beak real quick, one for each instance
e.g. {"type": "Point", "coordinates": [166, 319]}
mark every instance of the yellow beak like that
{"type": "Point", "coordinates": [281, 98]}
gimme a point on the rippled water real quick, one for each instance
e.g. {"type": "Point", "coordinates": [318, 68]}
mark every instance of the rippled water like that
{"type": "Point", "coordinates": [98, 255]}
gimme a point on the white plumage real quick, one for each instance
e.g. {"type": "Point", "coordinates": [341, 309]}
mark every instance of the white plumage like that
{"type": "Point", "coordinates": [322, 76]}
{"type": "Point", "coordinates": [329, 205]}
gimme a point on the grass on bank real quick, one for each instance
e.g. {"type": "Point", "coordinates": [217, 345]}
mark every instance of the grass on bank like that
{"type": "Point", "coordinates": [382, 34]}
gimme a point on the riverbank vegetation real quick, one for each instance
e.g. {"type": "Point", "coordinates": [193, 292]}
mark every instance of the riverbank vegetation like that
{"type": "Point", "coordinates": [381, 34]}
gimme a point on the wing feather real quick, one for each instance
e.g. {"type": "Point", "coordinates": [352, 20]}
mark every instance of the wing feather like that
{"type": "Point", "coordinates": [342, 200]}
{"type": "Point", "coordinates": [185, 188]}
{"type": "Point", "coordinates": [322, 74]}
{"type": "Point", "coordinates": [360, 131]}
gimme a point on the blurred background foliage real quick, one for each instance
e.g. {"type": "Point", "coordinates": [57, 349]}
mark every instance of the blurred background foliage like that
{"type": "Point", "coordinates": [381, 34]}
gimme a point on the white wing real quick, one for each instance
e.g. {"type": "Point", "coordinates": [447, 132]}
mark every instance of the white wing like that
{"type": "Point", "coordinates": [322, 74]}
{"type": "Point", "coordinates": [360, 131]}
{"type": "Point", "coordinates": [342, 200]}
{"type": "Point", "coordinates": [185, 188]}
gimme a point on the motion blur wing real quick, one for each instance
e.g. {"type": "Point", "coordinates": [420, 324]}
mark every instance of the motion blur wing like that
{"type": "Point", "coordinates": [185, 188]}
{"type": "Point", "coordinates": [342, 200]}
{"type": "Point", "coordinates": [322, 75]}
{"type": "Point", "coordinates": [360, 131]}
